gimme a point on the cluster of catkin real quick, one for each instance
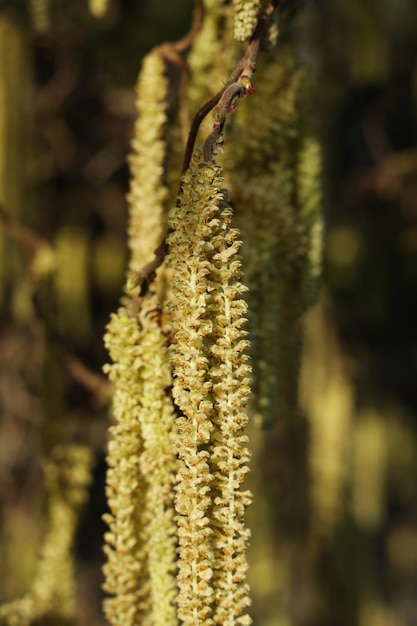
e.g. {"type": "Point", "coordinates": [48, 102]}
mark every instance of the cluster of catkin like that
{"type": "Point", "coordinates": [177, 540]}
{"type": "Point", "coordinates": [178, 454]}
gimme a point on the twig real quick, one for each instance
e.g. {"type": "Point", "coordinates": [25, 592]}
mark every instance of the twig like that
{"type": "Point", "coordinates": [97, 385]}
{"type": "Point", "coordinates": [175, 53]}
{"type": "Point", "coordinates": [238, 82]}
{"type": "Point", "coordinates": [245, 67]}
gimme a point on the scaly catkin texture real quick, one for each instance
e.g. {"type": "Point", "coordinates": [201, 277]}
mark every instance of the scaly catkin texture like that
{"type": "Point", "coordinates": [158, 466]}
{"type": "Point", "coordinates": [140, 544]}
{"type": "Point", "coordinates": [210, 389]}
{"type": "Point", "coordinates": [245, 18]}
{"type": "Point", "coordinates": [147, 192]}
{"type": "Point", "coordinates": [126, 576]}
{"type": "Point", "coordinates": [230, 376]}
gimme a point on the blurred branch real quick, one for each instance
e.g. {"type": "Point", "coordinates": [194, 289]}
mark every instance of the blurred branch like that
{"type": "Point", "coordinates": [41, 263]}
{"type": "Point", "coordinates": [387, 177]}
{"type": "Point", "coordinates": [172, 53]}
{"type": "Point", "coordinates": [99, 386]}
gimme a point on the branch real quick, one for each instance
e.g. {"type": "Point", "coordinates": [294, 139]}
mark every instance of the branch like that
{"type": "Point", "coordinates": [237, 85]}
{"type": "Point", "coordinates": [245, 67]}
{"type": "Point", "coordinates": [99, 386]}
{"type": "Point", "coordinates": [175, 53]}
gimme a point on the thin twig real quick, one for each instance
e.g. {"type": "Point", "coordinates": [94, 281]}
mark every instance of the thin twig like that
{"type": "Point", "coordinates": [243, 69]}
{"type": "Point", "coordinates": [247, 64]}
{"type": "Point", "coordinates": [99, 386]}
{"type": "Point", "coordinates": [176, 53]}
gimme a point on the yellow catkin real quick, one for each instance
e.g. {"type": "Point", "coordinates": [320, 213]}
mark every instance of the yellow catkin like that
{"type": "Point", "coordinates": [211, 389]}
{"type": "Point", "coordinates": [125, 572]}
{"type": "Point", "coordinates": [71, 281]}
{"type": "Point", "coordinates": [147, 191]}
{"type": "Point", "coordinates": [277, 216]}
{"type": "Point", "coordinates": [98, 8]}
{"type": "Point", "coordinates": [40, 15]}
{"type": "Point", "coordinates": [210, 59]}
{"type": "Point", "coordinates": [15, 142]}
{"type": "Point", "coordinates": [229, 374]}
{"type": "Point", "coordinates": [245, 18]}
{"type": "Point", "coordinates": [369, 468]}
{"type": "Point", "coordinates": [158, 466]}
{"type": "Point", "coordinates": [326, 397]}
{"type": "Point", "coordinates": [140, 543]}
{"type": "Point", "coordinates": [67, 475]}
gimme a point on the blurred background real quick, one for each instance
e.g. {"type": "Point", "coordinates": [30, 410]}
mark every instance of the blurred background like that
{"type": "Point", "coordinates": [334, 522]}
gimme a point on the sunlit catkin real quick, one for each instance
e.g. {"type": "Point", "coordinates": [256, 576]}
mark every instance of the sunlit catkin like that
{"type": "Point", "coordinates": [230, 376]}
{"type": "Point", "coordinates": [147, 190]}
{"type": "Point", "coordinates": [158, 465]}
{"type": "Point", "coordinates": [140, 543]}
{"type": "Point", "coordinates": [125, 572]}
{"type": "Point", "coordinates": [210, 389]}
{"type": "Point", "coordinates": [245, 17]}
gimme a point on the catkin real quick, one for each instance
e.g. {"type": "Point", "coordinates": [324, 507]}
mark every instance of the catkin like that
{"type": "Point", "coordinates": [67, 477]}
{"type": "Point", "coordinates": [211, 390]}
{"type": "Point", "coordinates": [98, 8]}
{"type": "Point", "coordinates": [273, 175]}
{"type": "Point", "coordinates": [245, 18]}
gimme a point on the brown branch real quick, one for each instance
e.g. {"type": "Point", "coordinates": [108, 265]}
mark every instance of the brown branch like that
{"type": "Point", "coordinates": [32, 243]}
{"type": "Point", "coordinates": [183, 45]}
{"type": "Point", "coordinates": [175, 53]}
{"type": "Point", "coordinates": [386, 179]}
{"type": "Point", "coordinates": [246, 66]}
{"type": "Point", "coordinates": [240, 80]}
{"type": "Point", "coordinates": [99, 386]}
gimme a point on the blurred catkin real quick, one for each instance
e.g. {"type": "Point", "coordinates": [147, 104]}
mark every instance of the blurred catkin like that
{"type": "Point", "coordinates": [15, 146]}
{"type": "Point", "coordinates": [67, 478]}
{"type": "Point", "coordinates": [147, 191]}
{"type": "Point", "coordinates": [40, 15]}
{"type": "Point", "coordinates": [245, 18]}
{"type": "Point", "coordinates": [98, 8]}
{"type": "Point", "coordinates": [274, 176]}
{"type": "Point", "coordinates": [327, 398]}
